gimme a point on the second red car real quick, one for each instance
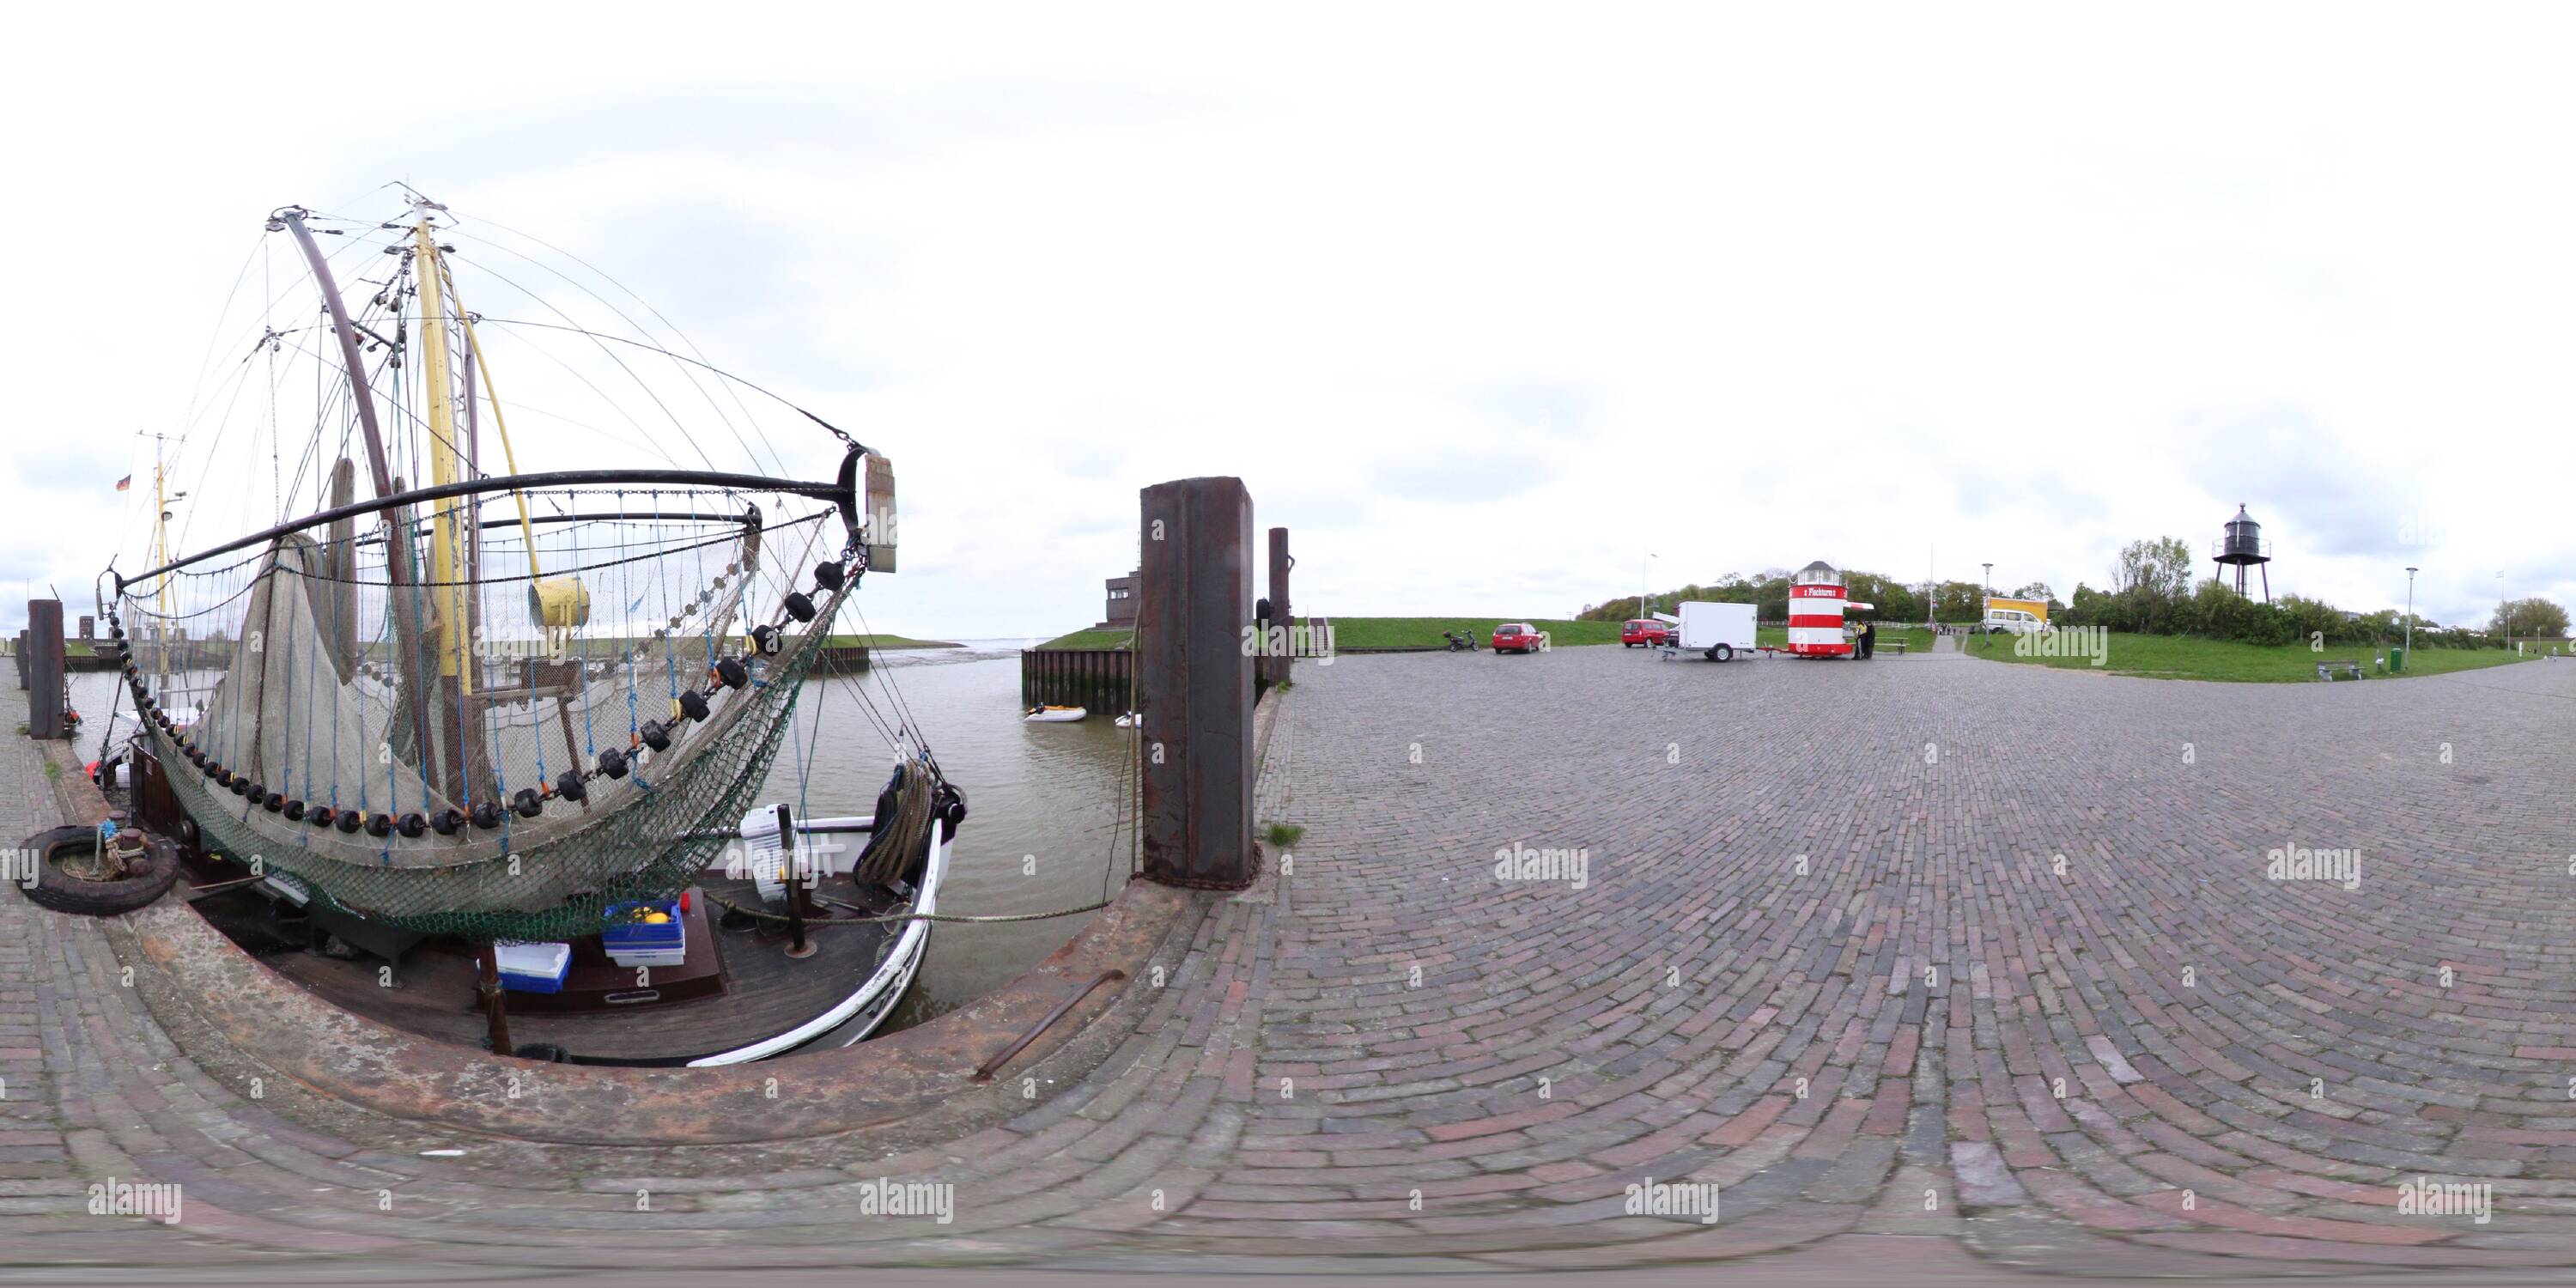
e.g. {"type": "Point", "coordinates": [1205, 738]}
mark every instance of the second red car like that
{"type": "Point", "coordinates": [1648, 633]}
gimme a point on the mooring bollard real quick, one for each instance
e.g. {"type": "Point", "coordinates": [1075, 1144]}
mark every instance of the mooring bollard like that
{"type": "Point", "coordinates": [1194, 679]}
{"type": "Point", "coordinates": [1276, 665]}
{"type": "Point", "coordinates": [44, 668]}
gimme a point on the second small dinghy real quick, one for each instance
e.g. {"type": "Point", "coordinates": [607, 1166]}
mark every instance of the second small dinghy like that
{"type": "Point", "coordinates": [1054, 715]}
{"type": "Point", "coordinates": [1128, 721]}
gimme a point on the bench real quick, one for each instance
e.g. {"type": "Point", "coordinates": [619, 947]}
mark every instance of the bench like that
{"type": "Point", "coordinates": [2327, 667]}
{"type": "Point", "coordinates": [1895, 646]}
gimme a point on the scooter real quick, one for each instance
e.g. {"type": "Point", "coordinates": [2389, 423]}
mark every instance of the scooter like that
{"type": "Point", "coordinates": [1459, 643]}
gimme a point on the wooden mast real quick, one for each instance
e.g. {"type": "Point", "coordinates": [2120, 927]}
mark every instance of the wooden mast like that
{"type": "Point", "coordinates": [410, 696]}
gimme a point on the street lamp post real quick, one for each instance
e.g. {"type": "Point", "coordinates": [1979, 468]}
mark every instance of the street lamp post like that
{"type": "Point", "coordinates": [1644, 579]}
{"type": "Point", "coordinates": [2410, 611]}
{"type": "Point", "coordinates": [2504, 621]}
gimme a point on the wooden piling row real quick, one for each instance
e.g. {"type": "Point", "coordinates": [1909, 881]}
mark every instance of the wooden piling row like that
{"type": "Point", "coordinates": [1103, 679]}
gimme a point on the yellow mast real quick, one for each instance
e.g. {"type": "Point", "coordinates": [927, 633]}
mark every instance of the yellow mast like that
{"type": "Point", "coordinates": [446, 465]}
{"type": "Point", "coordinates": [161, 540]}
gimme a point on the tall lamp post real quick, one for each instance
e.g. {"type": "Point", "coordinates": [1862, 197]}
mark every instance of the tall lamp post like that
{"type": "Point", "coordinates": [2504, 621]}
{"type": "Point", "coordinates": [2410, 611]}
{"type": "Point", "coordinates": [1644, 578]}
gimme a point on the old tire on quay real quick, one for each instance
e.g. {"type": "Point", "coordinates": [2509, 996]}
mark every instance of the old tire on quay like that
{"type": "Point", "coordinates": [62, 892]}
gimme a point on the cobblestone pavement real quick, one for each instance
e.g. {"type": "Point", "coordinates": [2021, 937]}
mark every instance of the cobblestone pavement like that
{"type": "Point", "coordinates": [1924, 953]}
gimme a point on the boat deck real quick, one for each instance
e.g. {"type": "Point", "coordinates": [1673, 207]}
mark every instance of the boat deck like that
{"type": "Point", "coordinates": [766, 992]}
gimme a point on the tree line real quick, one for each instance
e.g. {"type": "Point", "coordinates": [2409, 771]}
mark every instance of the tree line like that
{"type": "Point", "coordinates": [2154, 590]}
{"type": "Point", "coordinates": [1768, 591]}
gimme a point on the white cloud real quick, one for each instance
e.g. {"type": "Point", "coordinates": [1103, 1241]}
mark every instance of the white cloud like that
{"type": "Point", "coordinates": [1482, 303]}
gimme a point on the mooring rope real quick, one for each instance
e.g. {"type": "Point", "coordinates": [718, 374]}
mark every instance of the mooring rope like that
{"type": "Point", "coordinates": [730, 906]}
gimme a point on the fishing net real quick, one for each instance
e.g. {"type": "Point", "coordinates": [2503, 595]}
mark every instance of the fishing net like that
{"type": "Point", "coordinates": [453, 681]}
{"type": "Point", "coordinates": [319, 677]}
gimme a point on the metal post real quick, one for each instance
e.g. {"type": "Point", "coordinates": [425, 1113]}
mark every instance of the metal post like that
{"type": "Point", "coordinates": [1280, 563]}
{"type": "Point", "coordinates": [1195, 680]}
{"type": "Point", "coordinates": [2410, 612]}
{"type": "Point", "coordinates": [44, 668]}
{"type": "Point", "coordinates": [797, 948]}
{"type": "Point", "coordinates": [496, 1011]}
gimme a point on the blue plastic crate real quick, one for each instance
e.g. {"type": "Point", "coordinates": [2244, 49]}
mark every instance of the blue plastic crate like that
{"type": "Point", "coordinates": [638, 935]}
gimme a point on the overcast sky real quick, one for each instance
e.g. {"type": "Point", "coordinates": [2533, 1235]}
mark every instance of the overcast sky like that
{"type": "Point", "coordinates": [1483, 304]}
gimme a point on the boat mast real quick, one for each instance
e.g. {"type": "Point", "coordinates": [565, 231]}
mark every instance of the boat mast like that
{"type": "Point", "coordinates": [398, 560]}
{"type": "Point", "coordinates": [161, 537]}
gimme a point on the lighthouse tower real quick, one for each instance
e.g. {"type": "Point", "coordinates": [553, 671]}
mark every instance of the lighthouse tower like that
{"type": "Point", "coordinates": [1816, 612]}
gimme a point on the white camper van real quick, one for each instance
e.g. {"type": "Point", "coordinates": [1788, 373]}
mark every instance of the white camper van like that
{"type": "Point", "coordinates": [1719, 631]}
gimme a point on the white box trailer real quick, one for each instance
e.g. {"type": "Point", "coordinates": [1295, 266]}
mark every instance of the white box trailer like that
{"type": "Point", "coordinates": [1716, 631]}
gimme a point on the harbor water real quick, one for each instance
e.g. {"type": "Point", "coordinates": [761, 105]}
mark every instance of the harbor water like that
{"type": "Point", "coordinates": [1044, 829]}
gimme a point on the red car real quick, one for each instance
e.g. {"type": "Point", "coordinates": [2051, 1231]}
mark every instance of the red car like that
{"type": "Point", "coordinates": [1648, 633]}
{"type": "Point", "coordinates": [1518, 637]}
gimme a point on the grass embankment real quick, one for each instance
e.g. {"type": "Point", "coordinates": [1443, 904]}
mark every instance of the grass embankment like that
{"type": "Point", "coordinates": [1089, 638]}
{"type": "Point", "coordinates": [2185, 657]}
{"type": "Point", "coordinates": [1424, 632]}
{"type": "Point", "coordinates": [890, 641]}
{"type": "Point", "coordinates": [1915, 638]}
{"type": "Point", "coordinates": [1393, 632]}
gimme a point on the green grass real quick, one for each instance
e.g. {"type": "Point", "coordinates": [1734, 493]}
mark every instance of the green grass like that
{"type": "Point", "coordinates": [1916, 639]}
{"type": "Point", "coordinates": [2184, 657]}
{"type": "Point", "coordinates": [1093, 639]}
{"type": "Point", "coordinates": [1394, 632]}
{"type": "Point", "coordinates": [891, 641]}
{"type": "Point", "coordinates": [1282, 835]}
{"type": "Point", "coordinates": [1400, 632]}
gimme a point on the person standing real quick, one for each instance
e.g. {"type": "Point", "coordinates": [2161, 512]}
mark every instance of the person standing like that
{"type": "Point", "coordinates": [1868, 639]}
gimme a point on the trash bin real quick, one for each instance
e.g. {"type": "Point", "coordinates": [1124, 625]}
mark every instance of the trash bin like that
{"type": "Point", "coordinates": [2396, 659]}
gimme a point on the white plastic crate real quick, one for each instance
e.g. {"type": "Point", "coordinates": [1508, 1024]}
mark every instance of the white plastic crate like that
{"type": "Point", "coordinates": [534, 968]}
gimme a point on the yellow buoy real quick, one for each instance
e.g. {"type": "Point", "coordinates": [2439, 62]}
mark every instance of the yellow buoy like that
{"type": "Point", "coordinates": [559, 603]}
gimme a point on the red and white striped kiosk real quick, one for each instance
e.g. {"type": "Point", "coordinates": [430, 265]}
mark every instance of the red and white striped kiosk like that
{"type": "Point", "coordinates": [1816, 612]}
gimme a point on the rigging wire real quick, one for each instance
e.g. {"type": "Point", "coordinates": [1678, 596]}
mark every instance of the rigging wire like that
{"type": "Point", "coordinates": [640, 382]}
{"type": "Point", "coordinates": [776, 461]}
{"type": "Point", "coordinates": [631, 294]}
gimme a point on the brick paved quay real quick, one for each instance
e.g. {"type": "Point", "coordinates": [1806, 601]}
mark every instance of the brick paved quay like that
{"type": "Point", "coordinates": [1824, 956]}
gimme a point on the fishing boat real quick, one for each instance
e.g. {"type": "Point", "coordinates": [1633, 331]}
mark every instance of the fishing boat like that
{"type": "Point", "coordinates": [484, 752]}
